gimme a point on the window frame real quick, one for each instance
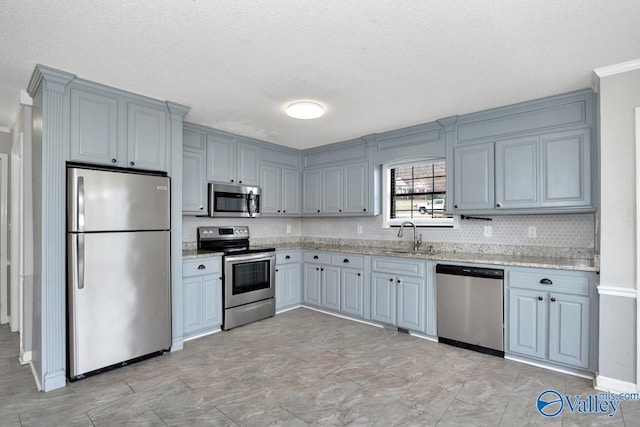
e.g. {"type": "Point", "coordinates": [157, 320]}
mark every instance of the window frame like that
{"type": "Point", "coordinates": [386, 194]}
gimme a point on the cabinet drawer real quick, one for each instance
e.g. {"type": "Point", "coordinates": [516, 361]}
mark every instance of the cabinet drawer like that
{"type": "Point", "coordinates": [201, 266]}
{"type": "Point", "coordinates": [317, 257]}
{"type": "Point", "coordinates": [398, 266]}
{"type": "Point", "coordinates": [347, 260]}
{"type": "Point", "coordinates": [575, 283]}
{"type": "Point", "coordinates": [288, 257]}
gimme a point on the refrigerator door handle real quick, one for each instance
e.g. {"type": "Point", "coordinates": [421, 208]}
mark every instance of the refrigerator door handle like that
{"type": "Point", "coordinates": [80, 254]}
{"type": "Point", "coordinates": [80, 212]}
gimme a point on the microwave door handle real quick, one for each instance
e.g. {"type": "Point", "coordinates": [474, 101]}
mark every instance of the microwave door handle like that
{"type": "Point", "coordinates": [250, 201]}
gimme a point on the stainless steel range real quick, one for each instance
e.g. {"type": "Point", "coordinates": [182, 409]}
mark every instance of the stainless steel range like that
{"type": "Point", "coordinates": [248, 274]}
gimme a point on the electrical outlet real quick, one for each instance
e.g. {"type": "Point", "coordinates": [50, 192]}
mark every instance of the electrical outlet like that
{"type": "Point", "coordinates": [533, 232]}
{"type": "Point", "coordinates": [488, 231]}
{"type": "Point", "coordinates": [288, 228]}
{"type": "Point", "coordinates": [359, 228]}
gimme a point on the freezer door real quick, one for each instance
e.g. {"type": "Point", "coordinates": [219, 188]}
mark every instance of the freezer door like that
{"type": "Point", "coordinates": [121, 308]}
{"type": "Point", "coordinates": [102, 200]}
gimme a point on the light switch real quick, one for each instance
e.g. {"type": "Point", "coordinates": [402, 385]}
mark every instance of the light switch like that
{"type": "Point", "coordinates": [533, 232]}
{"type": "Point", "coordinates": [359, 228]}
{"type": "Point", "coordinates": [488, 231]}
{"type": "Point", "coordinates": [288, 228]}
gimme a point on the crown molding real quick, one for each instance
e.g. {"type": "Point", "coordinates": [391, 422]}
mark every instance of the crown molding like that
{"type": "Point", "coordinates": [623, 67]}
{"type": "Point", "coordinates": [55, 80]}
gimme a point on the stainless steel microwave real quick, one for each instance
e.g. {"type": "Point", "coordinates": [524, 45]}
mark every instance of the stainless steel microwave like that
{"type": "Point", "coordinates": [234, 201]}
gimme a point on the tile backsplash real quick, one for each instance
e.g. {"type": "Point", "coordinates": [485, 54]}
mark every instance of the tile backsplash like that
{"type": "Point", "coordinates": [556, 230]}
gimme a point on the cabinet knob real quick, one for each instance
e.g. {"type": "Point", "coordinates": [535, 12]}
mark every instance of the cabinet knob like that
{"type": "Point", "coordinates": [346, 260]}
{"type": "Point", "coordinates": [540, 298]}
{"type": "Point", "coordinates": [391, 280]}
{"type": "Point", "coordinates": [201, 207]}
{"type": "Point", "coordinates": [276, 270]}
{"type": "Point", "coordinates": [364, 210]}
{"type": "Point", "coordinates": [231, 180]}
{"type": "Point", "coordinates": [220, 277]}
{"type": "Point", "coordinates": [318, 210]}
{"type": "Point", "coordinates": [317, 268]}
{"type": "Point", "coordinates": [284, 211]}
{"type": "Point", "coordinates": [113, 160]}
{"type": "Point", "coordinates": [315, 257]}
{"type": "Point", "coordinates": [240, 182]}
{"type": "Point", "coordinates": [201, 267]}
{"type": "Point", "coordinates": [358, 274]}
{"type": "Point", "coordinates": [321, 269]}
{"type": "Point", "coordinates": [340, 210]}
{"type": "Point", "coordinates": [499, 204]}
{"type": "Point", "coordinates": [278, 210]}
{"type": "Point", "coordinates": [455, 206]}
{"type": "Point", "coordinates": [132, 163]}
{"type": "Point", "coordinates": [553, 300]}
{"type": "Point", "coordinates": [546, 282]}
{"type": "Point", "coordinates": [398, 281]}
{"type": "Point", "coordinates": [287, 257]}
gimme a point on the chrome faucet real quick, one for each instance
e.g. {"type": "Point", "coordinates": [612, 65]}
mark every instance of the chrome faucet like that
{"type": "Point", "coordinates": [416, 243]}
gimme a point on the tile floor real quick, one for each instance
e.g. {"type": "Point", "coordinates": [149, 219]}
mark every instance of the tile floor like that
{"type": "Point", "coordinates": [300, 368]}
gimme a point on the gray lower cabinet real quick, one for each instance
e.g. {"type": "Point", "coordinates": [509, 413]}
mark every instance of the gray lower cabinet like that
{"type": "Point", "coordinates": [202, 295]}
{"type": "Point", "coordinates": [334, 281]}
{"type": "Point", "coordinates": [551, 317]}
{"type": "Point", "coordinates": [288, 280]}
{"type": "Point", "coordinates": [111, 129]}
{"type": "Point", "coordinates": [398, 292]}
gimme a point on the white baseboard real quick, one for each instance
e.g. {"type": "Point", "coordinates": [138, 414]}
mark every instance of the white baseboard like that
{"type": "Point", "coordinates": [25, 357]}
{"type": "Point", "coordinates": [342, 317]}
{"type": "Point", "coordinates": [35, 376]}
{"type": "Point", "coordinates": [200, 335]}
{"type": "Point", "coordinates": [549, 367]}
{"type": "Point", "coordinates": [612, 384]}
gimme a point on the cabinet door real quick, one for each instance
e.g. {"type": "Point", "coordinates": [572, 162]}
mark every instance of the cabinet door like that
{"type": "Point", "coordinates": [569, 329]}
{"type": "Point", "coordinates": [473, 168]}
{"type": "Point", "coordinates": [194, 185]}
{"type": "Point", "coordinates": [271, 190]}
{"type": "Point", "coordinates": [517, 173]}
{"type": "Point", "coordinates": [221, 159]}
{"type": "Point", "coordinates": [332, 189]}
{"type": "Point", "coordinates": [212, 301]}
{"type": "Point", "coordinates": [146, 142]}
{"type": "Point", "coordinates": [94, 128]}
{"type": "Point", "coordinates": [527, 314]}
{"type": "Point", "coordinates": [351, 292]}
{"type": "Point", "coordinates": [290, 191]}
{"type": "Point", "coordinates": [566, 169]}
{"type": "Point", "coordinates": [383, 298]}
{"type": "Point", "coordinates": [192, 304]}
{"type": "Point", "coordinates": [247, 171]}
{"type": "Point", "coordinates": [356, 194]}
{"type": "Point", "coordinates": [331, 287]}
{"type": "Point", "coordinates": [312, 284]}
{"type": "Point", "coordinates": [288, 286]}
{"type": "Point", "coordinates": [311, 191]}
{"type": "Point", "coordinates": [410, 303]}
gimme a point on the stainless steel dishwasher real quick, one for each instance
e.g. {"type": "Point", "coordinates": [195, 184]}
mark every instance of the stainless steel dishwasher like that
{"type": "Point", "coordinates": [470, 308]}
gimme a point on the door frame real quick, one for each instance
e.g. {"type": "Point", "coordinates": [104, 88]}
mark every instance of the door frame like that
{"type": "Point", "coordinates": [637, 119]}
{"type": "Point", "coordinates": [10, 303]}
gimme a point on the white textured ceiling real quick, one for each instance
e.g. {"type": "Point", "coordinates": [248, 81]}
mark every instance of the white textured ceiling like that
{"type": "Point", "coordinates": [375, 65]}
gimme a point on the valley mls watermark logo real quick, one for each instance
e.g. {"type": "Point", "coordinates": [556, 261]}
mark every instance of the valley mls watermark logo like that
{"type": "Point", "coordinates": [550, 403]}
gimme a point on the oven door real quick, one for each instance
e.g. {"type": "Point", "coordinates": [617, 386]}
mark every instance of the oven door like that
{"type": "Point", "coordinates": [249, 278]}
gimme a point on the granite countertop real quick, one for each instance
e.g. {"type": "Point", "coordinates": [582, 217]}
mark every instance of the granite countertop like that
{"type": "Point", "coordinates": [578, 264]}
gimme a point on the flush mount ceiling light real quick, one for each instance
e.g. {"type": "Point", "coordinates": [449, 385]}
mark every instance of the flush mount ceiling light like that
{"type": "Point", "coordinates": [305, 110]}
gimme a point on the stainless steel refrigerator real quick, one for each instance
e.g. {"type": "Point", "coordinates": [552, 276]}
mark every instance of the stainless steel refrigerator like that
{"type": "Point", "coordinates": [118, 267]}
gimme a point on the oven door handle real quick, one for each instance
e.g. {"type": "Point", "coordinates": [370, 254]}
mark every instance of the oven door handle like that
{"type": "Point", "coordinates": [250, 257]}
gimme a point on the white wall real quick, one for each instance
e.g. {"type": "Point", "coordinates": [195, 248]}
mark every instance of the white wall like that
{"type": "Point", "coordinates": [619, 95]}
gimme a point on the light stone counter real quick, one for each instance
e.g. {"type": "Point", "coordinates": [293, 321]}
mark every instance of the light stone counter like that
{"type": "Point", "coordinates": [534, 257]}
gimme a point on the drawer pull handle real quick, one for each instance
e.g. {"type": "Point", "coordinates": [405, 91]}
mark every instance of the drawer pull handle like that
{"type": "Point", "coordinates": [553, 300]}
{"type": "Point", "coordinates": [201, 267]}
{"type": "Point", "coordinates": [346, 260]}
{"type": "Point", "coordinates": [540, 298]}
{"type": "Point", "coordinates": [546, 282]}
{"type": "Point", "coordinates": [287, 257]}
{"type": "Point", "coordinates": [315, 257]}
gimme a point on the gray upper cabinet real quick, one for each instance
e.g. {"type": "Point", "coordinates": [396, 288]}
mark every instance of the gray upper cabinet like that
{"type": "Point", "coordinates": [312, 191]}
{"type": "Point", "coordinates": [280, 191]}
{"type": "Point", "coordinates": [146, 130]}
{"type": "Point", "coordinates": [533, 157]}
{"type": "Point", "coordinates": [232, 161]}
{"type": "Point", "coordinates": [356, 188]}
{"type": "Point", "coordinates": [336, 190]}
{"type": "Point", "coordinates": [194, 185]}
{"type": "Point", "coordinates": [473, 177]}
{"type": "Point", "coordinates": [566, 169]}
{"type": "Point", "coordinates": [94, 127]}
{"type": "Point", "coordinates": [114, 130]}
{"type": "Point", "coordinates": [332, 190]}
